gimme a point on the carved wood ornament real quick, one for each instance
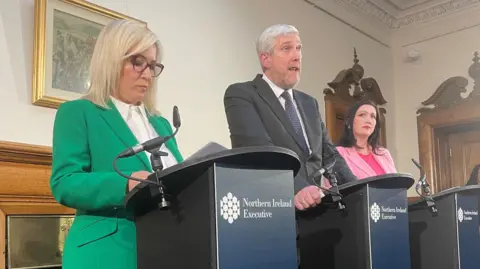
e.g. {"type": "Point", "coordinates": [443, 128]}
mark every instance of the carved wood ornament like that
{"type": "Point", "coordinates": [338, 98]}
{"type": "Point", "coordinates": [446, 108]}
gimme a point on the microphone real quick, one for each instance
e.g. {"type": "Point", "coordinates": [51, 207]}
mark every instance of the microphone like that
{"type": "Point", "coordinates": [321, 172]}
{"type": "Point", "coordinates": [422, 183]}
{"type": "Point", "coordinates": [155, 143]}
{"type": "Point", "coordinates": [327, 172]}
{"type": "Point", "coordinates": [176, 118]}
{"type": "Point", "coordinates": [335, 193]}
{"type": "Point", "coordinates": [151, 146]}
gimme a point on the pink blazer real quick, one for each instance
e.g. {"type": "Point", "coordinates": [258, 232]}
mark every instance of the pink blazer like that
{"type": "Point", "coordinates": [360, 168]}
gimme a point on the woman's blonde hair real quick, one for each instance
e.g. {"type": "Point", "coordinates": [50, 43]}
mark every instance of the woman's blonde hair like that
{"type": "Point", "coordinates": [117, 41]}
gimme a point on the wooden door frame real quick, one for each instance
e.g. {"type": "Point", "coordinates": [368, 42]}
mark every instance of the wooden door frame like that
{"type": "Point", "coordinates": [428, 124]}
{"type": "Point", "coordinates": [450, 109]}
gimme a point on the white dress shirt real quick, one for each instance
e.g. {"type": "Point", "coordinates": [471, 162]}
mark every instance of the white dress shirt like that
{"type": "Point", "coordinates": [278, 92]}
{"type": "Point", "coordinates": [137, 120]}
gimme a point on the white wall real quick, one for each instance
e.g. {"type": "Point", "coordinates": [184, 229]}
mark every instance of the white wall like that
{"type": "Point", "coordinates": [208, 45]}
{"type": "Point", "coordinates": [21, 121]}
{"type": "Point", "coordinates": [446, 48]}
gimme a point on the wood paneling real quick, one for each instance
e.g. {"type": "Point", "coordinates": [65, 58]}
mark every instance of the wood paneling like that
{"type": "Point", "coordinates": [25, 185]}
{"type": "Point", "coordinates": [464, 147]}
{"type": "Point", "coordinates": [24, 179]}
{"type": "Point", "coordinates": [25, 153]}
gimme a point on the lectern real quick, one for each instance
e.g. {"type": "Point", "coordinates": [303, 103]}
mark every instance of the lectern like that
{"type": "Point", "coordinates": [450, 239]}
{"type": "Point", "coordinates": [370, 233]}
{"type": "Point", "coordinates": [229, 209]}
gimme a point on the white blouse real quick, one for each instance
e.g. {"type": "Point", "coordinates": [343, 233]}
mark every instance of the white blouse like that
{"type": "Point", "coordinates": [137, 120]}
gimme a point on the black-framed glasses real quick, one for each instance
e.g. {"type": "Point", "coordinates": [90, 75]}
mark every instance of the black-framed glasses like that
{"type": "Point", "coordinates": [140, 63]}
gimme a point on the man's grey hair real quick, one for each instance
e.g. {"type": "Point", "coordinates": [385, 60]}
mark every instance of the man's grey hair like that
{"type": "Point", "coordinates": [266, 41]}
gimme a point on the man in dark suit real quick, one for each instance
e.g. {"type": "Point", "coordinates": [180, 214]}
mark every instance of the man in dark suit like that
{"type": "Point", "coordinates": [268, 111]}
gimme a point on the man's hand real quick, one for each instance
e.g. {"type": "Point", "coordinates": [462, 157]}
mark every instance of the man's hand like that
{"type": "Point", "coordinates": [308, 197]}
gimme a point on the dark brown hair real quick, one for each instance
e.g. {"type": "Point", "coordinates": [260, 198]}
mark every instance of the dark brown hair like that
{"type": "Point", "coordinates": [348, 138]}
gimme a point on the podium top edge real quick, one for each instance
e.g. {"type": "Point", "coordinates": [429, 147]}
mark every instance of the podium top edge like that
{"type": "Point", "coordinates": [401, 180]}
{"type": "Point", "coordinates": [458, 189]}
{"type": "Point", "coordinates": [225, 155]}
{"type": "Point", "coordinates": [264, 157]}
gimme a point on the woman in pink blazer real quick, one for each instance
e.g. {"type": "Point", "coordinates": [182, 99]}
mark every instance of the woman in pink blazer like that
{"type": "Point", "coordinates": [360, 143]}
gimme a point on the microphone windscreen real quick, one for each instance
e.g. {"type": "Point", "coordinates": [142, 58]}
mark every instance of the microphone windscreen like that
{"type": "Point", "coordinates": [416, 163]}
{"type": "Point", "coordinates": [176, 117]}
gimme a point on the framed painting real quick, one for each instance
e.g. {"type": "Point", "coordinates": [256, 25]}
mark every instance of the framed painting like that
{"type": "Point", "coordinates": [64, 37]}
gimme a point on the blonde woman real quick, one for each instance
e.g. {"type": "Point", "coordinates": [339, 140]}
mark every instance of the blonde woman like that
{"type": "Point", "coordinates": [117, 113]}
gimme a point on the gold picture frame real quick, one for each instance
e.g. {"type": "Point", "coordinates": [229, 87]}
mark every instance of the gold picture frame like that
{"type": "Point", "coordinates": [64, 37]}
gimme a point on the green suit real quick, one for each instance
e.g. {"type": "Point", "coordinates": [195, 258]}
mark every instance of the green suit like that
{"type": "Point", "coordinates": [86, 139]}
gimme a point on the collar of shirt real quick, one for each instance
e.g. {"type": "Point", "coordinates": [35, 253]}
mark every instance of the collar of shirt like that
{"type": "Point", "coordinates": [277, 90]}
{"type": "Point", "coordinates": [126, 109]}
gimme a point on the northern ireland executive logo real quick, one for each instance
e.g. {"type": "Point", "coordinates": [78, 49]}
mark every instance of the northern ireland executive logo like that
{"type": "Point", "coordinates": [375, 212]}
{"type": "Point", "coordinates": [230, 207]}
{"type": "Point", "coordinates": [464, 215]}
{"type": "Point", "coordinates": [234, 207]}
{"type": "Point", "coordinates": [382, 212]}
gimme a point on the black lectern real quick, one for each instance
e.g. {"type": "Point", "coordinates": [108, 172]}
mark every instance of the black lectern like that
{"type": "Point", "coordinates": [230, 209]}
{"type": "Point", "coordinates": [372, 232]}
{"type": "Point", "coordinates": [451, 238]}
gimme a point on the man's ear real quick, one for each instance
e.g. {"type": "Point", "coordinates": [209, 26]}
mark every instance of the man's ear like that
{"type": "Point", "coordinates": [266, 60]}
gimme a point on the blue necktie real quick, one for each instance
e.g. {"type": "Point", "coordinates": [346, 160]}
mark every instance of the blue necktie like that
{"type": "Point", "coordinates": [294, 119]}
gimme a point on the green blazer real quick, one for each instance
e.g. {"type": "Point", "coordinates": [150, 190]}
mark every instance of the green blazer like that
{"type": "Point", "coordinates": [86, 139]}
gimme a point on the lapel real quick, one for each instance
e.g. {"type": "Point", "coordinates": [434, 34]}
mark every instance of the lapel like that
{"type": "Point", "coordinates": [113, 119]}
{"type": "Point", "coordinates": [163, 131]}
{"type": "Point", "coordinates": [159, 128]}
{"type": "Point", "coordinates": [359, 162]}
{"type": "Point", "coordinates": [308, 122]}
{"type": "Point", "coordinates": [267, 94]}
{"type": "Point", "coordinates": [382, 162]}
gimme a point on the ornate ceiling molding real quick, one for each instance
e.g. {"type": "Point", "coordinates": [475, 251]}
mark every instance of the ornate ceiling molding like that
{"type": "Point", "coordinates": [370, 9]}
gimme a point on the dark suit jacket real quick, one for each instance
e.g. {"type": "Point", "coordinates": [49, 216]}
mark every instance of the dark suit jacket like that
{"type": "Point", "coordinates": [256, 117]}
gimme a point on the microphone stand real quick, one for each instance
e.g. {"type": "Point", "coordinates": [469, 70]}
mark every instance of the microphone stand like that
{"type": "Point", "coordinates": [428, 197]}
{"type": "Point", "coordinates": [336, 199]}
{"type": "Point", "coordinates": [153, 147]}
{"type": "Point", "coordinates": [157, 166]}
{"type": "Point", "coordinates": [426, 194]}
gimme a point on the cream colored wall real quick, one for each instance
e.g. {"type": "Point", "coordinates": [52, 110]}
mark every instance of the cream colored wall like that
{"type": "Point", "coordinates": [208, 45]}
{"type": "Point", "coordinates": [446, 49]}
